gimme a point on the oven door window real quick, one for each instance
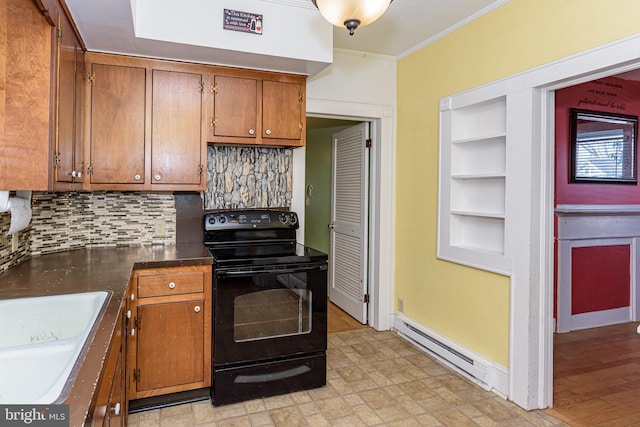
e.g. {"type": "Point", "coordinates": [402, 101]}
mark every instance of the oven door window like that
{"type": "Point", "coordinates": [275, 311]}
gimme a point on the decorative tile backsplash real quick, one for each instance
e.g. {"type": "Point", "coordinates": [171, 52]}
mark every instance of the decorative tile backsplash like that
{"type": "Point", "coordinates": [238, 177]}
{"type": "Point", "coordinates": [248, 177]}
{"type": "Point", "coordinates": [72, 220]}
{"type": "Point", "coordinates": [8, 258]}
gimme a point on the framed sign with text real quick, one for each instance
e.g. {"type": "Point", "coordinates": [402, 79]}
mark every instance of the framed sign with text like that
{"type": "Point", "coordinates": [244, 22]}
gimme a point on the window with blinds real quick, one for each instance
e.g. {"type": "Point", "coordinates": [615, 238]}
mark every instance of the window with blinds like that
{"type": "Point", "coordinates": [603, 147]}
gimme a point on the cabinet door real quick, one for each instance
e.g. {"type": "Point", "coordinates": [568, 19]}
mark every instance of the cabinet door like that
{"type": "Point", "coordinates": [117, 124]}
{"type": "Point", "coordinates": [117, 405]}
{"type": "Point", "coordinates": [68, 51]}
{"type": "Point", "coordinates": [235, 108]}
{"type": "Point", "coordinates": [25, 84]}
{"type": "Point", "coordinates": [282, 110]}
{"type": "Point", "coordinates": [176, 137]}
{"type": "Point", "coordinates": [170, 344]}
{"type": "Point", "coordinates": [111, 404]}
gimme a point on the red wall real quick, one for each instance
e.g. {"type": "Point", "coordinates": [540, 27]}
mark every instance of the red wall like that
{"type": "Point", "coordinates": [600, 275]}
{"type": "Point", "coordinates": [610, 94]}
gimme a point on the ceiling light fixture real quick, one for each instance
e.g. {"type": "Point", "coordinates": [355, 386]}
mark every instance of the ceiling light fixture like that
{"type": "Point", "coordinates": [351, 13]}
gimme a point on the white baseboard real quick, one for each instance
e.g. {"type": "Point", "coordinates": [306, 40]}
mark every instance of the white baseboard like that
{"type": "Point", "coordinates": [485, 373]}
{"type": "Point", "coordinates": [595, 319]}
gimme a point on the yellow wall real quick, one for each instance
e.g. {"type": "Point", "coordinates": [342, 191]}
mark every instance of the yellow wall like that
{"type": "Point", "coordinates": [468, 305]}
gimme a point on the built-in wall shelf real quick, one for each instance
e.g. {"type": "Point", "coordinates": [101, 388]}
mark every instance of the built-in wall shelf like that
{"type": "Point", "coordinates": [477, 214]}
{"type": "Point", "coordinates": [484, 139]}
{"type": "Point", "coordinates": [479, 175]}
{"type": "Point", "coordinates": [473, 183]}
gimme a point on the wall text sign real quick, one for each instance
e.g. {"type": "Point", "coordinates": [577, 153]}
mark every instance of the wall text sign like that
{"type": "Point", "coordinates": [244, 22]}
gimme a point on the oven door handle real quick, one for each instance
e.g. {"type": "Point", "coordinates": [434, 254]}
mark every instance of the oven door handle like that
{"type": "Point", "coordinates": [270, 270]}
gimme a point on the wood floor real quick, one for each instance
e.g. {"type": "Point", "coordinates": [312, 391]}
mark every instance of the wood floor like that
{"type": "Point", "coordinates": [339, 321]}
{"type": "Point", "coordinates": [596, 377]}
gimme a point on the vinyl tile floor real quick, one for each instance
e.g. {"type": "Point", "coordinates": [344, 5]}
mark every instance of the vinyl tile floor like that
{"type": "Point", "coordinates": [373, 379]}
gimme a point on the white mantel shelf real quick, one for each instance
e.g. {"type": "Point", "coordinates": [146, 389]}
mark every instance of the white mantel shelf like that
{"type": "Point", "coordinates": [563, 210]}
{"type": "Point", "coordinates": [576, 222]}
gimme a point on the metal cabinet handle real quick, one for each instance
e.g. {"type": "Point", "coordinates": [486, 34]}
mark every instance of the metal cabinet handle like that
{"type": "Point", "coordinates": [158, 177]}
{"type": "Point", "coordinates": [196, 309]}
{"type": "Point", "coordinates": [251, 131]}
{"type": "Point", "coordinates": [128, 314]}
{"type": "Point", "coordinates": [268, 131]}
{"type": "Point", "coordinates": [172, 285]}
{"type": "Point", "coordinates": [116, 409]}
{"type": "Point", "coordinates": [133, 332]}
{"type": "Point", "coordinates": [137, 177]}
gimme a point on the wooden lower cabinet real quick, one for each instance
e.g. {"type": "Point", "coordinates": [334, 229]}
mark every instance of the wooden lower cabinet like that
{"type": "Point", "coordinates": [169, 339]}
{"type": "Point", "coordinates": [111, 404]}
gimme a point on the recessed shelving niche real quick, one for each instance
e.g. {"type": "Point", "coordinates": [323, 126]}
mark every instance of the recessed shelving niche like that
{"type": "Point", "coordinates": [471, 228]}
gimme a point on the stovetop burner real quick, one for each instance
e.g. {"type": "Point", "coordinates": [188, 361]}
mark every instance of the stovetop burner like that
{"type": "Point", "coordinates": [255, 237]}
{"type": "Point", "coordinates": [256, 254]}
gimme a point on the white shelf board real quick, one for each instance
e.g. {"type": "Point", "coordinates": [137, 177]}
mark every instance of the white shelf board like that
{"type": "Point", "coordinates": [479, 175]}
{"type": "Point", "coordinates": [478, 214]}
{"type": "Point", "coordinates": [480, 139]}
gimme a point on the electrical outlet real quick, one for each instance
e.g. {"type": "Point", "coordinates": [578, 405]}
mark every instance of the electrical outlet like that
{"type": "Point", "coordinates": [400, 305]}
{"type": "Point", "coordinates": [15, 242]}
{"type": "Point", "coordinates": [160, 228]}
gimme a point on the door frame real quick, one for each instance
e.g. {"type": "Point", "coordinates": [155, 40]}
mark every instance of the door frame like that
{"type": "Point", "coordinates": [594, 64]}
{"type": "Point", "coordinates": [381, 198]}
{"type": "Point", "coordinates": [538, 327]}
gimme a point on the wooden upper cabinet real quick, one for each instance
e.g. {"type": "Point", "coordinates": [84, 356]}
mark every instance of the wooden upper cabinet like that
{"type": "Point", "coordinates": [282, 110]}
{"type": "Point", "coordinates": [146, 124]}
{"type": "Point", "coordinates": [235, 108]}
{"type": "Point", "coordinates": [68, 159]}
{"type": "Point", "coordinates": [25, 89]}
{"type": "Point", "coordinates": [177, 129]}
{"type": "Point", "coordinates": [117, 126]}
{"type": "Point", "coordinates": [253, 107]}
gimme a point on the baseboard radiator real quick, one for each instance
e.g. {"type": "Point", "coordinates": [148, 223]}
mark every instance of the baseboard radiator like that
{"type": "Point", "coordinates": [464, 362]}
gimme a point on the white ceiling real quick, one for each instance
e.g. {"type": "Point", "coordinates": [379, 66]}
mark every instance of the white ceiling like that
{"type": "Point", "coordinates": [409, 24]}
{"type": "Point", "coordinates": [107, 26]}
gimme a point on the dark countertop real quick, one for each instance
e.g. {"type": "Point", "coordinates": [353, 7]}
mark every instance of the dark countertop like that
{"type": "Point", "coordinates": [88, 270]}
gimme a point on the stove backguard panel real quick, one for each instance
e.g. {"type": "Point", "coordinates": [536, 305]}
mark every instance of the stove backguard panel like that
{"type": "Point", "coordinates": [248, 177]}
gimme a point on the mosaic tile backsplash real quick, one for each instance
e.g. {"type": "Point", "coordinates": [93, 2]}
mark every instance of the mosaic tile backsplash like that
{"type": "Point", "coordinates": [72, 220]}
{"type": "Point", "coordinates": [248, 177]}
{"type": "Point", "coordinates": [238, 177]}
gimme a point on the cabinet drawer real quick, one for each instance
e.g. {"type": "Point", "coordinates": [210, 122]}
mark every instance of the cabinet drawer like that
{"type": "Point", "coordinates": [170, 284]}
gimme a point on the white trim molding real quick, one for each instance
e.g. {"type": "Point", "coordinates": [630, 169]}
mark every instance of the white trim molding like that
{"type": "Point", "coordinates": [381, 206]}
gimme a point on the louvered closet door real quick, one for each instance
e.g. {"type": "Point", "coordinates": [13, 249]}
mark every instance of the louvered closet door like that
{"type": "Point", "coordinates": [349, 219]}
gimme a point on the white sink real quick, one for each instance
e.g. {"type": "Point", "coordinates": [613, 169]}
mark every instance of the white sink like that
{"type": "Point", "coordinates": [41, 338]}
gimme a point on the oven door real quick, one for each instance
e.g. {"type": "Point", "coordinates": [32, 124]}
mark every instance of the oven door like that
{"type": "Point", "coordinates": [268, 313]}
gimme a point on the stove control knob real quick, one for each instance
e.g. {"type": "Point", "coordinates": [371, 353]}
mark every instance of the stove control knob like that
{"type": "Point", "coordinates": [212, 220]}
{"type": "Point", "coordinates": [293, 219]}
{"type": "Point", "coordinates": [283, 218]}
{"type": "Point", "coordinates": [222, 220]}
